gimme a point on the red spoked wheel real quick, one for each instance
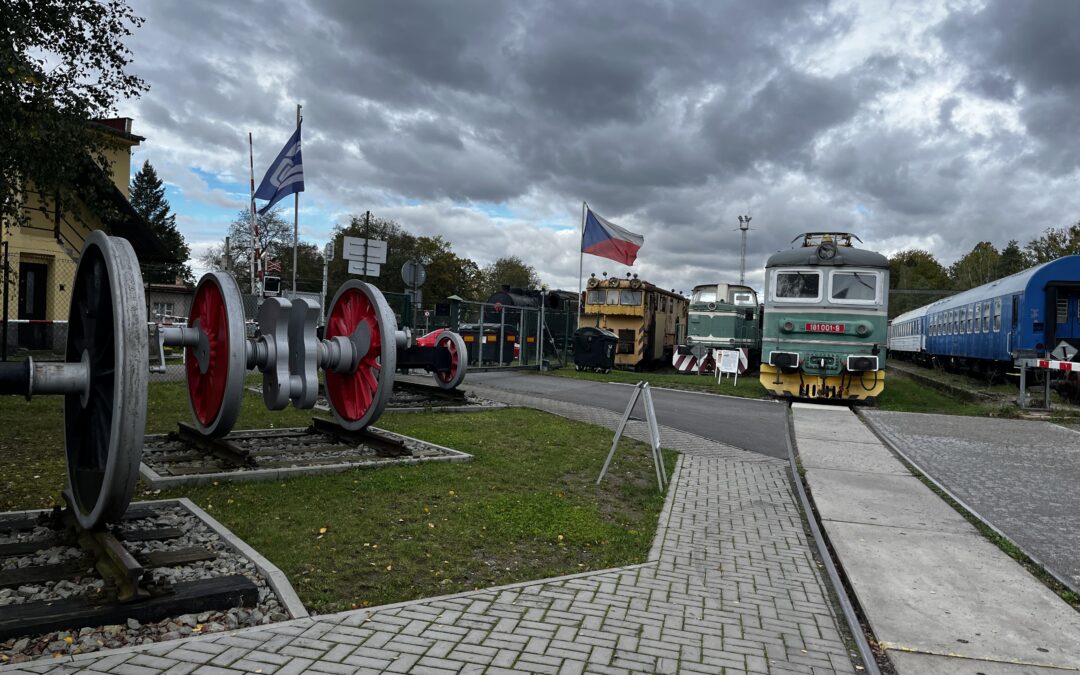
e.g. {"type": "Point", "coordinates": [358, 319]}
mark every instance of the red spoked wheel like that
{"type": "Point", "coordinates": [215, 370]}
{"type": "Point", "coordinates": [358, 398]}
{"type": "Point", "coordinates": [453, 343]}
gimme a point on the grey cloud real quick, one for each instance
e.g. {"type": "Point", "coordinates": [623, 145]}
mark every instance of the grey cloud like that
{"type": "Point", "coordinates": [669, 117]}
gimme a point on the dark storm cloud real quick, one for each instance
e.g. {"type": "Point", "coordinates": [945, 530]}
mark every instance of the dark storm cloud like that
{"type": "Point", "coordinates": [671, 118]}
{"type": "Point", "coordinates": [1029, 48]}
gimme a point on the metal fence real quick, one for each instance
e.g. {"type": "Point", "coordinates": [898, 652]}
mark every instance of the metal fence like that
{"type": "Point", "coordinates": [37, 295]}
{"type": "Point", "coordinates": [506, 336]}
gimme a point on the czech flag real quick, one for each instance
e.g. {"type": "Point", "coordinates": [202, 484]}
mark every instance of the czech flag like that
{"type": "Point", "coordinates": [607, 240]}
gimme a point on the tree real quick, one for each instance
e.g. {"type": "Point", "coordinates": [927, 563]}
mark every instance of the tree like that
{"type": "Point", "coordinates": [508, 271]}
{"type": "Point", "coordinates": [63, 64]}
{"type": "Point", "coordinates": [1055, 243]}
{"type": "Point", "coordinates": [447, 273]}
{"type": "Point", "coordinates": [274, 233]}
{"type": "Point", "coordinates": [148, 200]}
{"type": "Point", "coordinates": [1012, 260]}
{"type": "Point", "coordinates": [915, 269]}
{"type": "Point", "coordinates": [309, 264]}
{"type": "Point", "coordinates": [978, 267]}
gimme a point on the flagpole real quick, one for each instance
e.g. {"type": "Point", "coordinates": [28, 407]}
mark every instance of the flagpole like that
{"type": "Point", "coordinates": [296, 216]}
{"type": "Point", "coordinates": [581, 261]}
{"type": "Point", "coordinates": [254, 220]}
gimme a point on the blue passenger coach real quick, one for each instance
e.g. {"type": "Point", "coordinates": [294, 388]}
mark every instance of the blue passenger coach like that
{"type": "Point", "coordinates": [1034, 313]}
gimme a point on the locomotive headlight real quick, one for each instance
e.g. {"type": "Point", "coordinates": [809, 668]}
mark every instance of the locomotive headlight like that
{"type": "Point", "coordinates": [826, 251]}
{"type": "Point", "coordinates": [862, 329]}
{"type": "Point", "coordinates": [788, 326]}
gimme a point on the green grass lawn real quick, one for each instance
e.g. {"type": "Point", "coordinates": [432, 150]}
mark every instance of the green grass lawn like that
{"type": "Point", "coordinates": [748, 386]}
{"type": "Point", "coordinates": [525, 508]}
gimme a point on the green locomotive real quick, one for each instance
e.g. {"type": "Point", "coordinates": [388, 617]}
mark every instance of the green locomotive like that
{"type": "Point", "coordinates": [722, 316]}
{"type": "Point", "coordinates": [826, 317]}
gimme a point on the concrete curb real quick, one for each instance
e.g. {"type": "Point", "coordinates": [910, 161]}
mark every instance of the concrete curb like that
{"type": "Point", "coordinates": [665, 514]}
{"type": "Point", "coordinates": [274, 576]}
{"type": "Point", "coordinates": [157, 481]}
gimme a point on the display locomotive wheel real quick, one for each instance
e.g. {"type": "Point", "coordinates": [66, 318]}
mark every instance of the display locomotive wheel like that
{"type": "Point", "coordinates": [358, 398]}
{"type": "Point", "coordinates": [105, 423]}
{"type": "Point", "coordinates": [216, 367]}
{"type": "Point", "coordinates": [455, 344]}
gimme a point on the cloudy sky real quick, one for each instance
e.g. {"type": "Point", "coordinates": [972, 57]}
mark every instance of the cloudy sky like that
{"type": "Point", "coordinates": [931, 124]}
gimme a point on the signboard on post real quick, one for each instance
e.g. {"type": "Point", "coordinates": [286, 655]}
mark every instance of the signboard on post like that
{"type": "Point", "coordinates": [358, 248]}
{"type": "Point", "coordinates": [358, 267]}
{"type": "Point", "coordinates": [727, 361]}
{"type": "Point", "coordinates": [365, 256]}
{"type": "Point", "coordinates": [413, 274]}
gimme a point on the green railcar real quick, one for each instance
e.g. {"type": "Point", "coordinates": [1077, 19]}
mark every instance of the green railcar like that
{"type": "Point", "coordinates": [724, 316]}
{"type": "Point", "coordinates": [826, 318]}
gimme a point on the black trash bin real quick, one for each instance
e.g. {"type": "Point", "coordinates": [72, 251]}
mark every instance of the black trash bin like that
{"type": "Point", "coordinates": [485, 342]}
{"type": "Point", "coordinates": [594, 349]}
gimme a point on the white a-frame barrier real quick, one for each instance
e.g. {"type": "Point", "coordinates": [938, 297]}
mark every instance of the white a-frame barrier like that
{"type": "Point", "coordinates": [654, 434]}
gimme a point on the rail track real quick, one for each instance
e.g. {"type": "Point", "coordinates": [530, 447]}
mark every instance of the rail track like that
{"type": "Point", "coordinates": [131, 581]}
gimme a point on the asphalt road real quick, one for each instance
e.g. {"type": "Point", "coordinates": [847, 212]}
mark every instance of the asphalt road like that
{"type": "Point", "coordinates": [748, 424]}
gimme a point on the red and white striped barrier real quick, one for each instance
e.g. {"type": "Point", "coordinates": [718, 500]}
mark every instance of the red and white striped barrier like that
{"type": "Point", "coordinates": [1066, 366]}
{"type": "Point", "coordinates": [685, 363]}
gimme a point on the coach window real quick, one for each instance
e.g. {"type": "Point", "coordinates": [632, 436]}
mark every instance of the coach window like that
{"type": "Point", "coordinates": [797, 286]}
{"type": "Point", "coordinates": [631, 298]}
{"type": "Point", "coordinates": [997, 315]}
{"type": "Point", "coordinates": [986, 317]}
{"type": "Point", "coordinates": [978, 318]}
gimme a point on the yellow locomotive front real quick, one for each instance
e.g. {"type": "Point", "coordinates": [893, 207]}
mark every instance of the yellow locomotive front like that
{"type": "Point", "coordinates": [648, 321]}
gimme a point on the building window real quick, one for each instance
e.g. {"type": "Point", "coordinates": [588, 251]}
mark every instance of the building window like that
{"type": "Point", "coordinates": [160, 309]}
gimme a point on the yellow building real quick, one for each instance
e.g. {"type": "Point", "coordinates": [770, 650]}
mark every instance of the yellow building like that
{"type": "Point", "coordinates": [43, 251]}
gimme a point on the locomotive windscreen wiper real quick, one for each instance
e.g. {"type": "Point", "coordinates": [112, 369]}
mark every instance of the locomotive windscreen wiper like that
{"type": "Point", "coordinates": [870, 286]}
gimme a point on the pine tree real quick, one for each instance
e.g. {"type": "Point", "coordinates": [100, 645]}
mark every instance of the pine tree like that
{"type": "Point", "coordinates": [148, 200]}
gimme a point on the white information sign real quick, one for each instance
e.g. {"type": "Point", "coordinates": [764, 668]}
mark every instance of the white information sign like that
{"type": "Point", "coordinates": [727, 361]}
{"type": "Point", "coordinates": [371, 269]}
{"type": "Point", "coordinates": [357, 248]}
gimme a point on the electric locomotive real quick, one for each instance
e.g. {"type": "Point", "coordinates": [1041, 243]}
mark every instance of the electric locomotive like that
{"type": "Point", "coordinates": [825, 319]}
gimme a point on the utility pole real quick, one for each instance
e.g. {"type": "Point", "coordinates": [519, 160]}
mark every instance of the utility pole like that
{"type": "Point", "coordinates": [328, 255]}
{"type": "Point", "coordinates": [367, 235]}
{"type": "Point", "coordinates": [744, 225]}
{"type": "Point", "coordinates": [228, 256]}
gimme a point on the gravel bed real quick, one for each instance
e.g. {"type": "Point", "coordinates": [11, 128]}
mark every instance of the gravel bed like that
{"type": "Point", "coordinates": [279, 449]}
{"type": "Point", "coordinates": [87, 583]}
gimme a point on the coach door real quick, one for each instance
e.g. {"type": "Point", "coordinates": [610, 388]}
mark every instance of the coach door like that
{"type": "Point", "coordinates": [1067, 315]}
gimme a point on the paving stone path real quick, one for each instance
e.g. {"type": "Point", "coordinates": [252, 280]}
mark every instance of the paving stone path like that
{"type": "Point", "coordinates": [730, 586]}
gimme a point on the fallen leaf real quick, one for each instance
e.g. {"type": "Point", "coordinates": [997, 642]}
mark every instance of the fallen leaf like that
{"type": "Point", "coordinates": [323, 530]}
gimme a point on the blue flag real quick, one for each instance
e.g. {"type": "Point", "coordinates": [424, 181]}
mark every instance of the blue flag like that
{"type": "Point", "coordinates": [285, 176]}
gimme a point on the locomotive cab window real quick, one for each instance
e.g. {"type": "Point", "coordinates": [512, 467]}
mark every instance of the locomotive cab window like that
{"type": "Point", "coordinates": [853, 287]}
{"type": "Point", "coordinates": [612, 296]}
{"type": "Point", "coordinates": [704, 295]}
{"type": "Point", "coordinates": [795, 286]}
{"type": "Point", "coordinates": [742, 298]}
{"type": "Point", "coordinates": [630, 298]}
{"type": "Point", "coordinates": [596, 297]}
